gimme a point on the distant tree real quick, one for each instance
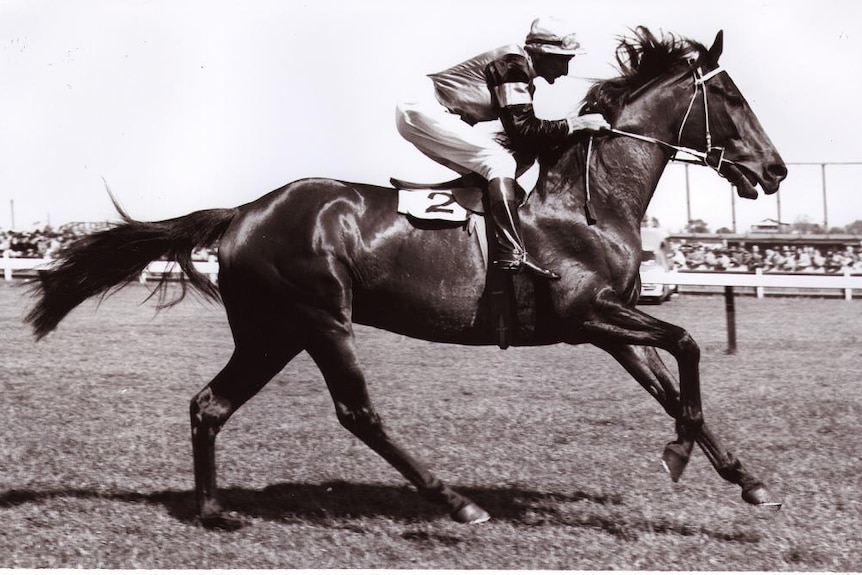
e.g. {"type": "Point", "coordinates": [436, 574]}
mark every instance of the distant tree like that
{"type": "Point", "coordinates": [697, 227]}
{"type": "Point", "coordinates": [724, 230]}
{"type": "Point", "coordinates": [804, 225]}
{"type": "Point", "coordinates": [854, 228]}
{"type": "Point", "coordinates": [837, 230]}
{"type": "Point", "coordinates": [650, 222]}
{"type": "Point", "coordinates": [807, 228]}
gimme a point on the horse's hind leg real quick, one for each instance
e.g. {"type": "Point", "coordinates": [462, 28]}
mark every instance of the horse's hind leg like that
{"type": "Point", "coordinates": [249, 369]}
{"type": "Point", "coordinates": [335, 355]}
{"type": "Point", "coordinates": [646, 366]}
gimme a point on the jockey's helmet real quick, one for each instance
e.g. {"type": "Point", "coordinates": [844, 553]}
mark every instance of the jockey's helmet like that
{"type": "Point", "coordinates": [549, 35]}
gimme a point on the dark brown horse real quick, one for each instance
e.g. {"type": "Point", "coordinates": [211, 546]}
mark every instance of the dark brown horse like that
{"type": "Point", "coordinates": [299, 266]}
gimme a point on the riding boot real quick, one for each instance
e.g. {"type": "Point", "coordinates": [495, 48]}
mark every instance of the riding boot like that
{"type": "Point", "coordinates": [511, 256]}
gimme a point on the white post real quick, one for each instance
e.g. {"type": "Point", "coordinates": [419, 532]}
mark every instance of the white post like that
{"type": "Point", "coordinates": [7, 267]}
{"type": "Point", "coordinates": [848, 292]}
{"type": "Point", "coordinates": [759, 289]}
{"type": "Point", "coordinates": [214, 274]}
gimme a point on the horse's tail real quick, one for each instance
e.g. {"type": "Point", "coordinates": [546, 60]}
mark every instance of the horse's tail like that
{"type": "Point", "coordinates": [107, 260]}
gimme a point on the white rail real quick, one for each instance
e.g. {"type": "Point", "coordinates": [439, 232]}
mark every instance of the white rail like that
{"type": "Point", "coordinates": [728, 280]}
{"type": "Point", "coordinates": [210, 268]}
{"type": "Point", "coordinates": [11, 265]}
{"type": "Point", "coordinates": [759, 280]}
{"type": "Point", "coordinates": [847, 281]}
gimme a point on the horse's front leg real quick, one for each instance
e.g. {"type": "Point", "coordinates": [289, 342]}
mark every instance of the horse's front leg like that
{"type": "Point", "coordinates": [645, 365]}
{"type": "Point", "coordinates": [614, 323]}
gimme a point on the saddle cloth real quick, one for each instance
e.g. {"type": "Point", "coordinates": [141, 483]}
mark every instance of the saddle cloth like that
{"type": "Point", "coordinates": [440, 205]}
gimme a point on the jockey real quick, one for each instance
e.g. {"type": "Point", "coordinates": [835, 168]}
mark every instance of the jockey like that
{"type": "Point", "coordinates": [498, 85]}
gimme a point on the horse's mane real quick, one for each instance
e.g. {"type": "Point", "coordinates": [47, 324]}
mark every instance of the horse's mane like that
{"type": "Point", "coordinates": [640, 60]}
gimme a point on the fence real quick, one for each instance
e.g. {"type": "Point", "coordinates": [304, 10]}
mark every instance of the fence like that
{"type": "Point", "coordinates": [727, 280]}
{"type": "Point", "coordinates": [11, 265]}
{"type": "Point", "coordinates": [29, 266]}
{"type": "Point", "coordinates": [159, 268]}
{"type": "Point", "coordinates": [845, 282]}
{"type": "Point", "coordinates": [759, 281]}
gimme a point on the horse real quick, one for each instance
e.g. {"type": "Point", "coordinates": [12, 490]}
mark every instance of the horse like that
{"type": "Point", "coordinates": [299, 266]}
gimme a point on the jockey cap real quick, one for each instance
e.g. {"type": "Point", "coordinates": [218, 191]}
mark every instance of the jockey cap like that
{"type": "Point", "coordinates": [550, 35]}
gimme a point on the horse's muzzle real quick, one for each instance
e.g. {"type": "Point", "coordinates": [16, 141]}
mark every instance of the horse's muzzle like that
{"type": "Point", "coordinates": [745, 181]}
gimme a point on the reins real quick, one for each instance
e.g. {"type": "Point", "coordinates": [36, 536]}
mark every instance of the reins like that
{"type": "Point", "coordinates": [705, 158]}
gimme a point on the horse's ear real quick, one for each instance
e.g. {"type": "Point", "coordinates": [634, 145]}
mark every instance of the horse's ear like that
{"type": "Point", "coordinates": [717, 47]}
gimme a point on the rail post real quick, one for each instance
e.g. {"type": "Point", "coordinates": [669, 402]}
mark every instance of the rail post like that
{"type": "Point", "coordinates": [7, 267]}
{"type": "Point", "coordinates": [730, 311]}
{"type": "Point", "coordinates": [759, 289]}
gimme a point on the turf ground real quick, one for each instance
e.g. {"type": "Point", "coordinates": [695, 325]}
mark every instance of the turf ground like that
{"type": "Point", "coordinates": [557, 443]}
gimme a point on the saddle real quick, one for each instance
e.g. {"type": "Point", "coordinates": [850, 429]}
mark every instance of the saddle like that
{"type": "Point", "coordinates": [464, 200]}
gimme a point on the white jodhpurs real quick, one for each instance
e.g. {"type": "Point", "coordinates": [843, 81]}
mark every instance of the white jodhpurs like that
{"type": "Point", "coordinates": [450, 141]}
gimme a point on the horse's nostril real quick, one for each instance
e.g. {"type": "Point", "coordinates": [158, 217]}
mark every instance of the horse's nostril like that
{"type": "Point", "coordinates": [778, 171]}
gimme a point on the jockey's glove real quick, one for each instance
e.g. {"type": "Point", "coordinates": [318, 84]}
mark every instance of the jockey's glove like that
{"type": "Point", "coordinates": [587, 123]}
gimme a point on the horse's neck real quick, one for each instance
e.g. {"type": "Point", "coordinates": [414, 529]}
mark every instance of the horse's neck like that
{"type": "Point", "coordinates": [626, 174]}
{"type": "Point", "coordinates": [623, 175]}
{"type": "Point", "coordinates": [623, 172]}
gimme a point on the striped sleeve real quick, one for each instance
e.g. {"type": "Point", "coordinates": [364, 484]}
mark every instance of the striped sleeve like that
{"type": "Point", "coordinates": [510, 81]}
{"type": "Point", "coordinates": [511, 84]}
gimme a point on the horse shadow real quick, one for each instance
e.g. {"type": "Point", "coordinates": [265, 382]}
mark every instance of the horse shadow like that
{"type": "Point", "coordinates": [337, 504]}
{"type": "Point", "coordinates": [325, 503]}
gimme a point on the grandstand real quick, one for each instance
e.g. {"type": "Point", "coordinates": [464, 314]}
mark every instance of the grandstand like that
{"type": "Point", "coordinates": [769, 240]}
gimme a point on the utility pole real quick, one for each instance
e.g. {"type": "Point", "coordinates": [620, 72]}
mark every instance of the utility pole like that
{"type": "Point", "coordinates": [778, 209]}
{"type": "Point", "coordinates": [825, 213]}
{"type": "Point", "coordinates": [687, 196]}
{"type": "Point", "coordinates": [733, 206]}
{"type": "Point", "coordinates": [12, 213]}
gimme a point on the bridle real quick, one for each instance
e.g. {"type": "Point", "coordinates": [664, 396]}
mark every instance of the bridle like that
{"type": "Point", "coordinates": [712, 156]}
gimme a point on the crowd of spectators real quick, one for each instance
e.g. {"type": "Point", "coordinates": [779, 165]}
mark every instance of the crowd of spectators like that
{"type": "Point", "coordinates": [772, 258]}
{"type": "Point", "coordinates": [46, 242]}
{"type": "Point", "coordinates": [43, 243]}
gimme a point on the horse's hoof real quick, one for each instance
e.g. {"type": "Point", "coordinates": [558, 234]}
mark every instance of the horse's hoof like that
{"type": "Point", "coordinates": [471, 514]}
{"type": "Point", "coordinates": [221, 522]}
{"type": "Point", "coordinates": [761, 497]}
{"type": "Point", "coordinates": [674, 459]}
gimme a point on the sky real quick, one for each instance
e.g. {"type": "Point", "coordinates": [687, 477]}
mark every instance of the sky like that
{"type": "Point", "coordinates": [182, 105]}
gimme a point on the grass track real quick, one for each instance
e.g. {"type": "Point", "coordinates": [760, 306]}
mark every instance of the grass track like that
{"type": "Point", "coordinates": [557, 443]}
